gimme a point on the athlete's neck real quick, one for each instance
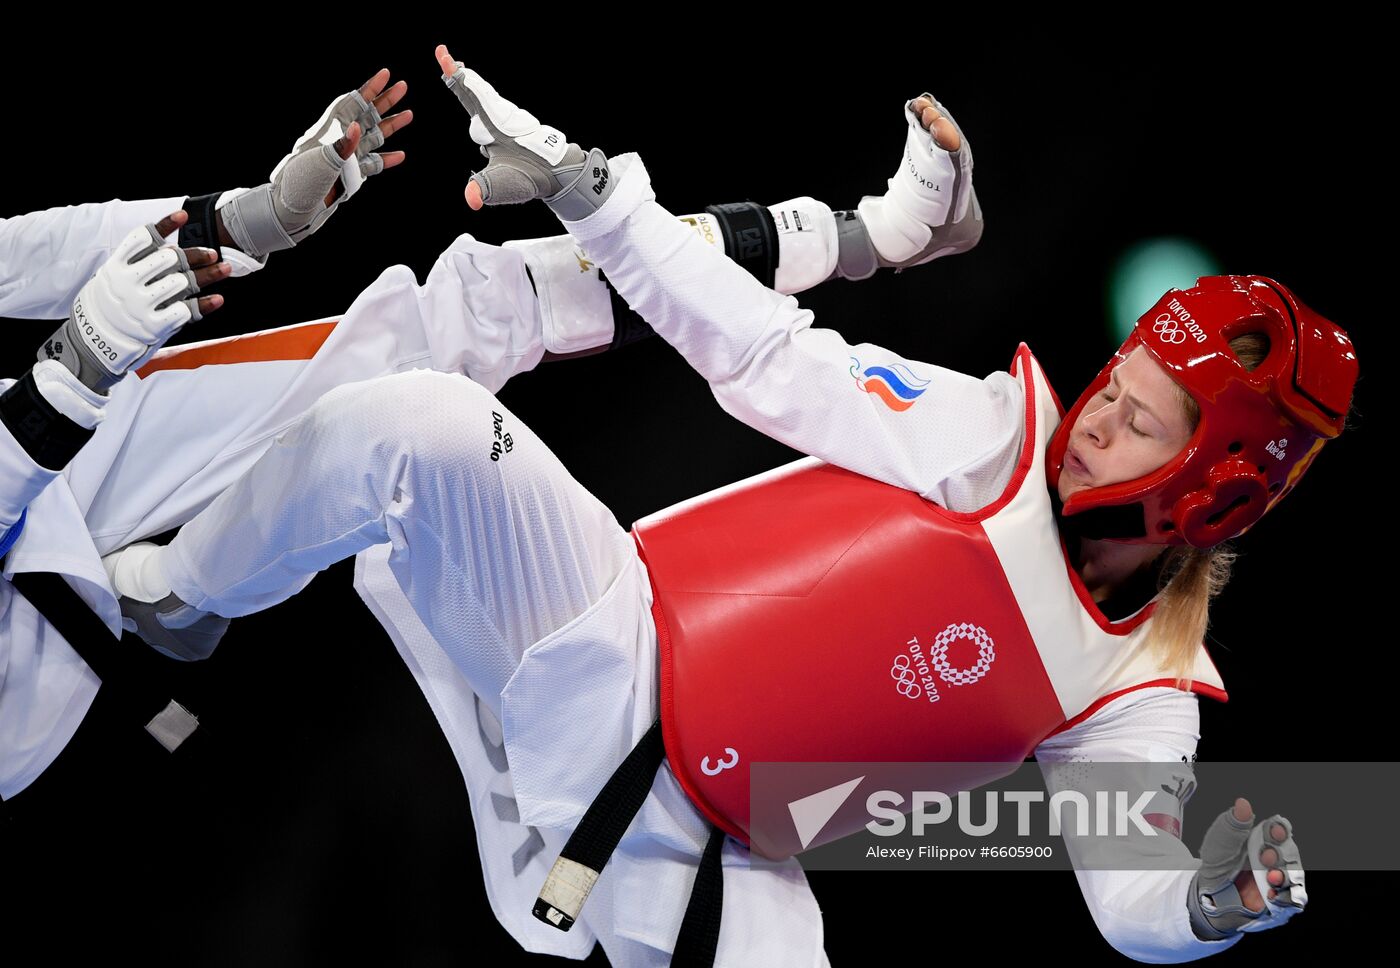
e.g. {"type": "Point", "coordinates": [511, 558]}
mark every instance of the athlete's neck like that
{"type": "Point", "coordinates": [1105, 566]}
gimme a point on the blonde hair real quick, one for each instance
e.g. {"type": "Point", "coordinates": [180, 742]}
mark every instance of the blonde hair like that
{"type": "Point", "coordinates": [1192, 577]}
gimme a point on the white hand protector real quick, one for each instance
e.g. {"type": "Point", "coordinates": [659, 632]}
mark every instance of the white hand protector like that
{"type": "Point", "coordinates": [1231, 846]}
{"type": "Point", "coordinates": [290, 207]}
{"type": "Point", "coordinates": [930, 209]}
{"type": "Point", "coordinates": [139, 298]}
{"type": "Point", "coordinates": [528, 159]}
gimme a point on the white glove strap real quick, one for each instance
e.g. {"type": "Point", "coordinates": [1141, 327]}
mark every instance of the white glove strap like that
{"type": "Point", "coordinates": [63, 390]}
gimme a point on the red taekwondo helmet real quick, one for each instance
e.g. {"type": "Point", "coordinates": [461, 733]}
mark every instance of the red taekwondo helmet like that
{"type": "Point", "coordinates": [1258, 431]}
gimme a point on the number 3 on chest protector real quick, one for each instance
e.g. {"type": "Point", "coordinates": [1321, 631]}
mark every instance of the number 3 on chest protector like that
{"type": "Point", "coordinates": [722, 765]}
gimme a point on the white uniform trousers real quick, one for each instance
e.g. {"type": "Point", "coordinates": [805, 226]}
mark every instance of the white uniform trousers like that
{"type": "Point", "coordinates": [500, 578]}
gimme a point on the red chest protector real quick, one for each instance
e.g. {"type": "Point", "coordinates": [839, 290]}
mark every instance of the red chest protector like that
{"type": "Point", "coordinates": [811, 614]}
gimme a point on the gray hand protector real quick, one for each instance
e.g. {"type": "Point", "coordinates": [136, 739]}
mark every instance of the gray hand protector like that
{"type": "Point", "coordinates": [930, 210]}
{"type": "Point", "coordinates": [290, 207]}
{"type": "Point", "coordinates": [136, 301]}
{"type": "Point", "coordinates": [1230, 846]}
{"type": "Point", "coordinates": [528, 160]}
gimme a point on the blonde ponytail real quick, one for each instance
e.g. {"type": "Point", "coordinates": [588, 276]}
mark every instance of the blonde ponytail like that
{"type": "Point", "coordinates": [1193, 578]}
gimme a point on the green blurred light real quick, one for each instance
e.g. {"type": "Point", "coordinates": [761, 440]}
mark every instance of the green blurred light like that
{"type": "Point", "coordinates": [1147, 270]}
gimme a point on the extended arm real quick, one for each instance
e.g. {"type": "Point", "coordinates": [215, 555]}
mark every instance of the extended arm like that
{"type": "Point", "coordinates": [945, 435]}
{"type": "Point", "coordinates": [124, 291]}
{"type": "Point", "coordinates": [1173, 907]}
{"type": "Point", "coordinates": [138, 297]}
{"type": "Point", "coordinates": [47, 256]}
{"type": "Point", "coordinates": [1141, 913]}
{"type": "Point", "coordinates": [790, 246]}
{"type": "Point", "coordinates": [949, 437]}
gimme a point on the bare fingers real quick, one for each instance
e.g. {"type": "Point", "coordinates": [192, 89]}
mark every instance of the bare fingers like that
{"type": "Point", "coordinates": [373, 91]}
{"type": "Point", "coordinates": [445, 60]}
{"type": "Point", "coordinates": [370, 89]}
{"type": "Point", "coordinates": [345, 146]}
{"type": "Point", "coordinates": [944, 133]}
{"type": "Point", "coordinates": [172, 222]}
{"type": "Point", "coordinates": [389, 98]}
{"type": "Point", "coordinates": [206, 265]}
{"type": "Point", "coordinates": [205, 262]}
{"type": "Point", "coordinates": [395, 122]}
{"type": "Point", "coordinates": [1270, 857]}
{"type": "Point", "coordinates": [197, 257]}
{"type": "Point", "coordinates": [204, 278]}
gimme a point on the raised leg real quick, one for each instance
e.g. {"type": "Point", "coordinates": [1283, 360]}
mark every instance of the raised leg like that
{"type": "Point", "coordinates": [494, 543]}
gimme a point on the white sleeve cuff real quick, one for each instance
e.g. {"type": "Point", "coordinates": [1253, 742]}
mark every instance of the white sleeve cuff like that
{"type": "Point", "coordinates": [631, 188]}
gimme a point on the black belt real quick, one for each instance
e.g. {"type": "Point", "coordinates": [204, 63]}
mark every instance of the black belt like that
{"type": "Point", "coordinates": [131, 672]}
{"type": "Point", "coordinates": [597, 836]}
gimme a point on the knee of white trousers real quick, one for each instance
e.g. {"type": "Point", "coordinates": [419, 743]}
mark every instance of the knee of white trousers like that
{"type": "Point", "coordinates": [437, 424]}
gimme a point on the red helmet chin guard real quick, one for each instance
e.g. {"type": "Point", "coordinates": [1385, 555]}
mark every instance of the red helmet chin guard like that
{"type": "Point", "coordinates": [1258, 432]}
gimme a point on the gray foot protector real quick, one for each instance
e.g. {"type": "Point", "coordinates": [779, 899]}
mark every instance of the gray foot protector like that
{"type": "Point", "coordinates": [1230, 846]}
{"type": "Point", "coordinates": [527, 159]}
{"type": "Point", "coordinates": [279, 214]}
{"type": "Point", "coordinates": [173, 628]}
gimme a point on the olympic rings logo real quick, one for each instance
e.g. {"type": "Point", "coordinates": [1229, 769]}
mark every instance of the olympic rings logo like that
{"type": "Point", "coordinates": [906, 679]}
{"type": "Point", "coordinates": [1166, 327]}
{"type": "Point", "coordinates": [986, 654]}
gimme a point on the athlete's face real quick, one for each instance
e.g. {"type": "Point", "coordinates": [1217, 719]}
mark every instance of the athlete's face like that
{"type": "Point", "coordinates": [1130, 428]}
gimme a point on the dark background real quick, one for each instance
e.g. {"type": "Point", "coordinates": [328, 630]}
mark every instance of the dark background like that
{"type": "Point", "coordinates": [332, 824]}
